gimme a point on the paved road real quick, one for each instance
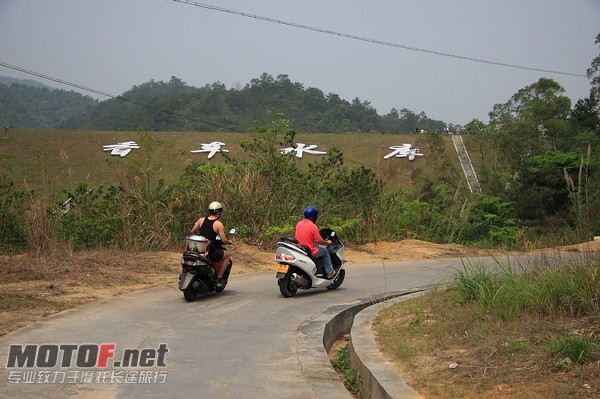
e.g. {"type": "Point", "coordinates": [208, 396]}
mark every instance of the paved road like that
{"type": "Point", "coordinates": [243, 343]}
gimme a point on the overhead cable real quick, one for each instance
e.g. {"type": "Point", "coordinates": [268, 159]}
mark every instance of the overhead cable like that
{"type": "Point", "coordinates": [375, 41]}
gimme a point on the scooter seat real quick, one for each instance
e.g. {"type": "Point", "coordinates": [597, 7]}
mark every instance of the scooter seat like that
{"type": "Point", "coordinates": [289, 239]}
{"type": "Point", "coordinates": [294, 246]}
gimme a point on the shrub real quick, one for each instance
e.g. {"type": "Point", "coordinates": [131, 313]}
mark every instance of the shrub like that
{"type": "Point", "coordinates": [13, 209]}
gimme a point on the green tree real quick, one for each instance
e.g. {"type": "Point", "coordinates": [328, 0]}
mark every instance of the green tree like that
{"type": "Point", "coordinates": [533, 121]}
{"type": "Point", "coordinates": [475, 127]}
{"type": "Point", "coordinates": [593, 72]}
{"type": "Point", "coordinates": [490, 223]}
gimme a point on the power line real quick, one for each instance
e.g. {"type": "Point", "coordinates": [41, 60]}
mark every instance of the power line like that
{"type": "Point", "coordinates": [120, 98]}
{"type": "Point", "coordinates": [374, 41]}
{"type": "Point", "coordinates": [64, 82]}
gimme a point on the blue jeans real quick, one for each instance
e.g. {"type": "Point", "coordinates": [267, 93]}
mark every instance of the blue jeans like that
{"type": "Point", "coordinates": [324, 254]}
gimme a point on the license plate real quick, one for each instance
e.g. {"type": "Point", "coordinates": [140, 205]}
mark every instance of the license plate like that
{"type": "Point", "coordinates": [282, 268]}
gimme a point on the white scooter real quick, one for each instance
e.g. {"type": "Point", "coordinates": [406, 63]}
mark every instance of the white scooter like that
{"type": "Point", "coordinates": [296, 269]}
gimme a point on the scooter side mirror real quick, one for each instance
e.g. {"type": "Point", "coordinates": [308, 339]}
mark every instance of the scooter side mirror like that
{"type": "Point", "coordinates": [232, 231]}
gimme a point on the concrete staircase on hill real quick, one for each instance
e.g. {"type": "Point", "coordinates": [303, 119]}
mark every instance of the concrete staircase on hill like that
{"type": "Point", "coordinates": [466, 164]}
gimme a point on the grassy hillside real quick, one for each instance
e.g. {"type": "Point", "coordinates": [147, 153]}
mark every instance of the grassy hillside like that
{"type": "Point", "coordinates": [68, 157]}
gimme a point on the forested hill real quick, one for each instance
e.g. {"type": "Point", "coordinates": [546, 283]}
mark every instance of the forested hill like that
{"type": "Point", "coordinates": [176, 106]}
{"type": "Point", "coordinates": [25, 106]}
{"type": "Point", "coordinates": [27, 82]}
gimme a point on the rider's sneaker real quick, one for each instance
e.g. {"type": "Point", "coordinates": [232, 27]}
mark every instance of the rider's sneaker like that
{"type": "Point", "coordinates": [220, 282]}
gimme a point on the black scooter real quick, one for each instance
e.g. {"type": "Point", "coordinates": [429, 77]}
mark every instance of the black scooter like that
{"type": "Point", "coordinates": [198, 276]}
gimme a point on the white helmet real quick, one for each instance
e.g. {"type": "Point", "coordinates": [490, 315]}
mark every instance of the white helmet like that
{"type": "Point", "coordinates": [214, 207]}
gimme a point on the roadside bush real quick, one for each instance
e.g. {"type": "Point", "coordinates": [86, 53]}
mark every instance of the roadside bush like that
{"type": "Point", "coordinates": [13, 210]}
{"type": "Point", "coordinates": [263, 197]}
{"type": "Point", "coordinates": [489, 224]}
{"type": "Point", "coordinates": [93, 217]}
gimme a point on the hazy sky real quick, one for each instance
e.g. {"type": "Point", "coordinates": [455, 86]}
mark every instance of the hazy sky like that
{"type": "Point", "coordinates": [112, 45]}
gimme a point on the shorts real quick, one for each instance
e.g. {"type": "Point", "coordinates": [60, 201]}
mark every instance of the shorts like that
{"type": "Point", "coordinates": [215, 254]}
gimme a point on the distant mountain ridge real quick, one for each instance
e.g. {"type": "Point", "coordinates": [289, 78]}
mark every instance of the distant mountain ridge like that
{"type": "Point", "coordinates": [27, 82]}
{"type": "Point", "coordinates": [177, 106]}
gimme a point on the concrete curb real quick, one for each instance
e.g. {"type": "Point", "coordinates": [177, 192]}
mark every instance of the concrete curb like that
{"type": "Point", "coordinates": [316, 337]}
{"type": "Point", "coordinates": [376, 376]}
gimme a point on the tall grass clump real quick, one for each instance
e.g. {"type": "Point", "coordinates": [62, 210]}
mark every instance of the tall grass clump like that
{"type": "Point", "coordinates": [579, 194]}
{"type": "Point", "coordinates": [39, 215]}
{"type": "Point", "coordinates": [501, 326]}
{"type": "Point", "coordinates": [472, 281]}
{"type": "Point", "coordinates": [573, 289]}
{"type": "Point", "coordinates": [503, 294]}
{"type": "Point", "coordinates": [570, 289]}
{"type": "Point", "coordinates": [573, 349]}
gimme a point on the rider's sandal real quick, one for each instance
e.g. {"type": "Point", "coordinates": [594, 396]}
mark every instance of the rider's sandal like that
{"type": "Point", "coordinates": [331, 275]}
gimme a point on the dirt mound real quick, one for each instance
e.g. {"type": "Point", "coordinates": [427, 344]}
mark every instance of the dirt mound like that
{"type": "Point", "coordinates": [410, 250]}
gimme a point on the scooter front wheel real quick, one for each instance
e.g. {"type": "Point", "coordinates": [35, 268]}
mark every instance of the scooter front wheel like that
{"type": "Point", "coordinates": [338, 280]}
{"type": "Point", "coordinates": [287, 287]}
{"type": "Point", "coordinates": [220, 288]}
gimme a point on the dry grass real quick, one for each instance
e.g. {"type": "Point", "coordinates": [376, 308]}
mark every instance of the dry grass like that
{"type": "Point", "coordinates": [493, 360]}
{"type": "Point", "coordinates": [77, 156]}
{"type": "Point", "coordinates": [447, 348]}
{"type": "Point", "coordinates": [34, 287]}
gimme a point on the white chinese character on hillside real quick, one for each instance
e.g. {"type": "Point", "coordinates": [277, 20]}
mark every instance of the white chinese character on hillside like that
{"type": "Point", "coordinates": [300, 149]}
{"type": "Point", "coordinates": [211, 148]}
{"type": "Point", "coordinates": [121, 149]}
{"type": "Point", "coordinates": [404, 151]}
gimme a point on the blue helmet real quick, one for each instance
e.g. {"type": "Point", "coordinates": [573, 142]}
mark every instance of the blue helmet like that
{"type": "Point", "coordinates": [311, 212]}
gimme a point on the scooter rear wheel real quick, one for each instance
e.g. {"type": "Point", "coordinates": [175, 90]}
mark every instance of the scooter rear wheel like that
{"type": "Point", "coordinates": [189, 295]}
{"type": "Point", "coordinates": [287, 287]}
